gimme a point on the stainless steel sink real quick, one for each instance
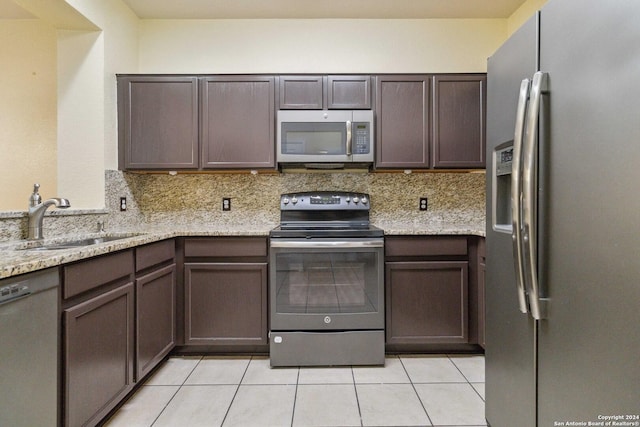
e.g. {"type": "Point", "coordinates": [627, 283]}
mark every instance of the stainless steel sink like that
{"type": "Point", "coordinates": [76, 243]}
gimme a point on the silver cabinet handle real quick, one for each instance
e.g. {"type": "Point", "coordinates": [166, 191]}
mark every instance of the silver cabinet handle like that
{"type": "Point", "coordinates": [530, 194]}
{"type": "Point", "coordinates": [516, 194]}
{"type": "Point", "coordinates": [349, 149]}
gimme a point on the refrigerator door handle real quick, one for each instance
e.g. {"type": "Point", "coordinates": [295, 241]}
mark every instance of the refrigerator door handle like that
{"type": "Point", "coordinates": [529, 195]}
{"type": "Point", "coordinates": [516, 194]}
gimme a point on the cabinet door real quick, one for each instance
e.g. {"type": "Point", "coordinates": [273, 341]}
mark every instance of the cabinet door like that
{"type": "Point", "coordinates": [225, 303]}
{"type": "Point", "coordinates": [97, 355]}
{"type": "Point", "coordinates": [402, 121]}
{"type": "Point", "coordinates": [427, 302]}
{"type": "Point", "coordinates": [349, 92]}
{"type": "Point", "coordinates": [237, 128]}
{"type": "Point", "coordinates": [158, 122]}
{"type": "Point", "coordinates": [155, 318]}
{"type": "Point", "coordinates": [459, 120]}
{"type": "Point", "coordinates": [301, 92]}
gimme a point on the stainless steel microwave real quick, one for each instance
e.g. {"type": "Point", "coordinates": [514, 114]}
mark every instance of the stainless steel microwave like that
{"type": "Point", "coordinates": [325, 137]}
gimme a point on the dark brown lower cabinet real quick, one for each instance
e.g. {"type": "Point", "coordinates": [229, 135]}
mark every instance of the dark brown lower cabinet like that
{"type": "Point", "coordinates": [98, 355]}
{"type": "Point", "coordinates": [155, 318]}
{"type": "Point", "coordinates": [427, 302]}
{"type": "Point", "coordinates": [225, 303]}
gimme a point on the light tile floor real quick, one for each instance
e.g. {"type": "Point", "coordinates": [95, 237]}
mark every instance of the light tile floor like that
{"type": "Point", "coordinates": [429, 390]}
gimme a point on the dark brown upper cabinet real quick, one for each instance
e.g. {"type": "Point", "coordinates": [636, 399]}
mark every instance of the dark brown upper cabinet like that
{"type": "Point", "coordinates": [402, 121]}
{"type": "Point", "coordinates": [237, 122]}
{"type": "Point", "coordinates": [158, 122]}
{"type": "Point", "coordinates": [315, 92]}
{"type": "Point", "coordinates": [459, 119]}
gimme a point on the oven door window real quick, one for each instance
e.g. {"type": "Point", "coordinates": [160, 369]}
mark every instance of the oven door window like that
{"type": "Point", "coordinates": [314, 138]}
{"type": "Point", "coordinates": [327, 282]}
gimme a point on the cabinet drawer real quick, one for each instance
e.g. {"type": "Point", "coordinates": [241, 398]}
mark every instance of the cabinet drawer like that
{"type": "Point", "coordinates": [86, 275]}
{"type": "Point", "coordinates": [154, 254]}
{"type": "Point", "coordinates": [225, 247]}
{"type": "Point", "coordinates": [425, 246]}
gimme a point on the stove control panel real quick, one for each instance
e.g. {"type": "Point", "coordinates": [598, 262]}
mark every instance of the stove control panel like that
{"type": "Point", "coordinates": [325, 200]}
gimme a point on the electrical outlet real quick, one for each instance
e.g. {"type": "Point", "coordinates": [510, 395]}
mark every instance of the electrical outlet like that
{"type": "Point", "coordinates": [423, 204]}
{"type": "Point", "coordinates": [123, 204]}
{"type": "Point", "coordinates": [226, 204]}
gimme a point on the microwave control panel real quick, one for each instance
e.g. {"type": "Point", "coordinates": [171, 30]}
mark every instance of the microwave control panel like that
{"type": "Point", "coordinates": [361, 138]}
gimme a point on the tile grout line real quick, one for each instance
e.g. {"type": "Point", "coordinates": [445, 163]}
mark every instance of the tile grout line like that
{"type": "Point", "coordinates": [295, 397]}
{"type": "Point", "coordinates": [355, 388]}
{"type": "Point", "coordinates": [415, 391]}
{"type": "Point", "coordinates": [226, 414]}
{"type": "Point", "coordinates": [174, 394]}
{"type": "Point", "coordinates": [465, 377]}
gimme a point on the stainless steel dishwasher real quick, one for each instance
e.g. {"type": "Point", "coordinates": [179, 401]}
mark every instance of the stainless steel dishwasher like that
{"type": "Point", "coordinates": [29, 349]}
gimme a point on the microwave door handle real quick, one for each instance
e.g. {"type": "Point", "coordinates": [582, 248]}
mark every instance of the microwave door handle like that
{"type": "Point", "coordinates": [349, 149]}
{"type": "Point", "coordinates": [516, 194]}
{"type": "Point", "coordinates": [530, 195]}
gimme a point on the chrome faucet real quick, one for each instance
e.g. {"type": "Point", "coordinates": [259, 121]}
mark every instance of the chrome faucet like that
{"type": "Point", "coordinates": [37, 209]}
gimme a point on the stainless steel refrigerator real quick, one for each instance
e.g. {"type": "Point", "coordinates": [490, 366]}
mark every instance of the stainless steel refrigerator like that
{"type": "Point", "coordinates": [563, 219]}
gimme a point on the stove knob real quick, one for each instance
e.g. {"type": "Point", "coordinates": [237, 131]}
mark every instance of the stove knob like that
{"type": "Point", "coordinates": [356, 199]}
{"type": "Point", "coordinates": [285, 200]}
{"type": "Point", "coordinates": [348, 199]}
{"type": "Point", "coordinates": [364, 200]}
{"type": "Point", "coordinates": [294, 200]}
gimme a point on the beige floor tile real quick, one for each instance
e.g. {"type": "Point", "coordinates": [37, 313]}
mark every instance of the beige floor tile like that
{"type": "Point", "coordinates": [197, 406]}
{"type": "Point", "coordinates": [431, 369]}
{"type": "Point", "coordinates": [452, 404]}
{"type": "Point", "coordinates": [479, 387]}
{"type": "Point", "coordinates": [390, 405]}
{"type": "Point", "coordinates": [260, 372]}
{"type": "Point", "coordinates": [174, 371]}
{"type": "Point", "coordinates": [144, 407]}
{"type": "Point", "coordinates": [261, 405]}
{"type": "Point", "coordinates": [219, 371]}
{"type": "Point", "coordinates": [392, 373]}
{"type": "Point", "coordinates": [326, 405]}
{"type": "Point", "coordinates": [471, 366]}
{"type": "Point", "coordinates": [323, 375]}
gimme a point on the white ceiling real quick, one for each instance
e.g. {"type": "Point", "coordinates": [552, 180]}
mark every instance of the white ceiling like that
{"type": "Point", "coordinates": [302, 9]}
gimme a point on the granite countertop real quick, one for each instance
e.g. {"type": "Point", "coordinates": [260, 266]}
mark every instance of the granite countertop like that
{"type": "Point", "coordinates": [17, 258]}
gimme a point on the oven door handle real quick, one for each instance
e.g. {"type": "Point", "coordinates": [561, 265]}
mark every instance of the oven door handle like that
{"type": "Point", "coordinates": [336, 244]}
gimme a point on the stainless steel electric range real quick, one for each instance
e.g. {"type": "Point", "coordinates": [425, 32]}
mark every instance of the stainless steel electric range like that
{"type": "Point", "coordinates": [326, 282]}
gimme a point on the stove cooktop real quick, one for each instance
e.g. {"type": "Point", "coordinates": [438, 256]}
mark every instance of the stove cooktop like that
{"type": "Point", "coordinates": [325, 214]}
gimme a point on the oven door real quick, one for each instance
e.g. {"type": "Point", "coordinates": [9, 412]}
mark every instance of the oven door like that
{"type": "Point", "coordinates": [327, 284]}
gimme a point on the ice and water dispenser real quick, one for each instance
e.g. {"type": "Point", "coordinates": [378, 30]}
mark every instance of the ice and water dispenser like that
{"type": "Point", "coordinates": [502, 164]}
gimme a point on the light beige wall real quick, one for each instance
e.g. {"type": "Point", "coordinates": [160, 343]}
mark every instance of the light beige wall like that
{"type": "Point", "coordinates": [119, 26]}
{"type": "Point", "coordinates": [523, 13]}
{"type": "Point", "coordinates": [28, 151]}
{"type": "Point", "coordinates": [58, 106]}
{"type": "Point", "coordinates": [318, 46]}
{"type": "Point", "coordinates": [88, 61]}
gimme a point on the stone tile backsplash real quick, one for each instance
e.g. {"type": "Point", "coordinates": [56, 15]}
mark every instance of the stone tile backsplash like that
{"type": "Point", "coordinates": [192, 201]}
